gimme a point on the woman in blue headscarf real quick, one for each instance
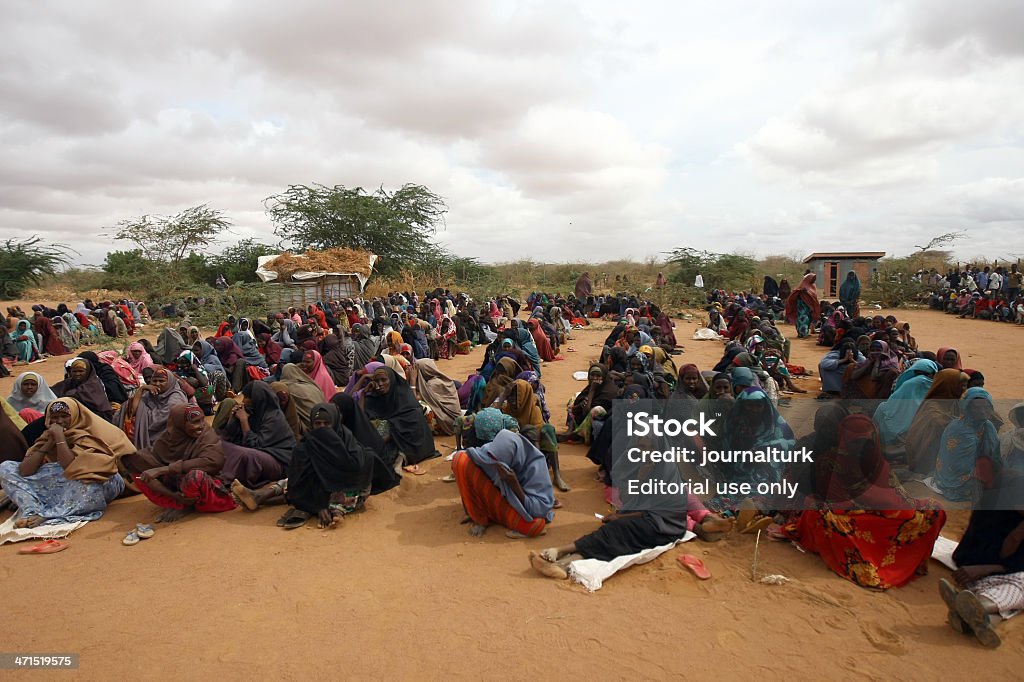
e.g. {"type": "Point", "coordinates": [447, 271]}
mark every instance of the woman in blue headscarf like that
{"type": "Point", "coordinates": [25, 341]}
{"type": "Point", "coordinates": [849, 294]}
{"type": "Point", "coordinates": [969, 446]}
{"type": "Point", "coordinates": [753, 423]}
{"type": "Point", "coordinates": [896, 414]}
{"type": "Point", "coordinates": [524, 340]}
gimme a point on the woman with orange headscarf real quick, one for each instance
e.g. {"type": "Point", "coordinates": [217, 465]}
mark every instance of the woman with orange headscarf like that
{"type": "Point", "coordinates": [941, 405]}
{"type": "Point", "coordinates": [802, 307]}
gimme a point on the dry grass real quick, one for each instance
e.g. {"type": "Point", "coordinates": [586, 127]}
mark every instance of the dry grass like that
{"type": "Point", "coordinates": [328, 260]}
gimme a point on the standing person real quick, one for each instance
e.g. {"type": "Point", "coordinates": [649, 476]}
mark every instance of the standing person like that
{"type": "Point", "coordinates": [802, 306]}
{"type": "Point", "coordinates": [584, 287]}
{"type": "Point", "coordinates": [849, 294]}
{"type": "Point", "coordinates": [1014, 283]}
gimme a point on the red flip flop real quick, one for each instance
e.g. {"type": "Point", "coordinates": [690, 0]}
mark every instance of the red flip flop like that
{"type": "Point", "coordinates": [46, 547]}
{"type": "Point", "coordinates": [695, 565]}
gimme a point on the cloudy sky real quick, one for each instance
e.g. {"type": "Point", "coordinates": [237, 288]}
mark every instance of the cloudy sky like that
{"type": "Point", "coordinates": [554, 130]}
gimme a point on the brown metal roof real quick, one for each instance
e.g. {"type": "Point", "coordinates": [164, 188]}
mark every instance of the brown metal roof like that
{"type": "Point", "coordinates": [823, 255]}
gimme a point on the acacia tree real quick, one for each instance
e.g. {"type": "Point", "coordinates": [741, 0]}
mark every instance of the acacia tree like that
{"type": "Point", "coordinates": [719, 270]}
{"type": "Point", "coordinates": [398, 226]}
{"type": "Point", "coordinates": [238, 263]}
{"type": "Point", "coordinates": [171, 238]}
{"type": "Point", "coordinates": [27, 261]}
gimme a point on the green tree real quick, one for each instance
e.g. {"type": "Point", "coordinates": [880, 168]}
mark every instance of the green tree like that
{"type": "Point", "coordinates": [398, 226]}
{"type": "Point", "coordinates": [238, 262]}
{"type": "Point", "coordinates": [720, 270]}
{"type": "Point", "coordinates": [130, 269]}
{"type": "Point", "coordinates": [170, 239]}
{"type": "Point", "coordinates": [24, 262]}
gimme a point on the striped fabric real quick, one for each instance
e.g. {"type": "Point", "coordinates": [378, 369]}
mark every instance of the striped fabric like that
{"type": "Point", "coordinates": [484, 502]}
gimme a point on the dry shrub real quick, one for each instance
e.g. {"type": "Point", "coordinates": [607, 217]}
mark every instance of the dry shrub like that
{"type": "Point", "coordinates": [328, 260]}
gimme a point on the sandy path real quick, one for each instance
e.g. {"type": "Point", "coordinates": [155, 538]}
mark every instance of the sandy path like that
{"type": "Point", "coordinates": [403, 591]}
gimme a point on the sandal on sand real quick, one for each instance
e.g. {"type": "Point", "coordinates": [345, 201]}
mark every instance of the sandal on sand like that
{"type": "Point", "coordinates": [293, 518]}
{"type": "Point", "coordinates": [46, 547]}
{"type": "Point", "coordinates": [970, 608]}
{"type": "Point", "coordinates": [695, 565]}
{"type": "Point", "coordinates": [414, 469]}
{"type": "Point", "coordinates": [450, 478]}
{"type": "Point", "coordinates": [131, 539]}
{"type": "Point", "coordinates": [747, 512]}
{"type": "Point", "coordinates": [759, 523]}
{"type": "Point", "coordinates": [144, 530]}
{"type": "Point", "coordinates": [948, 593]}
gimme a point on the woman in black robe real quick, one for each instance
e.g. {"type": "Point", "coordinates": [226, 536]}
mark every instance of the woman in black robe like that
{"type": "Point", "coordinates": [392, 407]}
{"type": "Point", "coordinates": [990, 558]}
{"type": "Point", "coordinates": [258, 441]}
{"type": "Point", "coordinates": [337, 353]}
{"type": "Point", "coordinates": [113, 387]}
{"type": "Point", "coordinates": [81, 383]}
{"type": "Point", "coordinates": [356, 421]}
{"type": "Point", "coordinates": [331, 472]}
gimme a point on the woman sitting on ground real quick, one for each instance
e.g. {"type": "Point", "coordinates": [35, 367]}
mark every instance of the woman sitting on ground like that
{"type": "Point", "coordinates": [591, 405]}
{"type": "Point", "coordinates": [313, 365]}
{"type": "Point", "coordinates": [521, 404]}
{"type": "Point", "coordinates": [70, 473]}
{"type": "Point", "coordinates": [990, 557]}
{"type": "Point", "coordinates": [231, 358]}
{"type": "Point", "coordinates": [144, 417]}
{"type": "Point", "coordinates": [30, 392]}
{"type": "Point", "coordinates": [941, 406]}
{"type": "Point", "coordinates": [180, 471]}
{"type": "Point", "coordinates": [895, 416]}
{"type": "Point", "coordinates": [968, 450]}
{"type": "Point", "coordinates": [391, 406]}
{"type": "Point", "coordinates": [303, 391]}
{"type": "Point", "coordinates": [214, 368]}
{"type": "Point", "coordinates": [753, 423]}
{"type": "Point", "coordinates": [505, 482]}
{"type": "Point", "coordinates": [330, 474]}
{"type": "Point", "coordinates": [439, 393]}
{"type": "Point", "coordinates": [81, 383]}
{"type": "Point", "coordinates": [860, 520]}
{"type": "Point", "coordinates": [874, 377]}
{"type": "Point", "coordinates": [24, 340]}
{"type": "Point", "coordinates": [258, 442]}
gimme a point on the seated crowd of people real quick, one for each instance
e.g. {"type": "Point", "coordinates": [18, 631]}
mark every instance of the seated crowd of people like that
{"type": "Point", "coordinates": [319, 409]}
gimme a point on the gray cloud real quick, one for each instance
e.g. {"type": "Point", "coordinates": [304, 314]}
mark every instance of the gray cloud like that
{"type": "Point", "coordinates": [554, 130]}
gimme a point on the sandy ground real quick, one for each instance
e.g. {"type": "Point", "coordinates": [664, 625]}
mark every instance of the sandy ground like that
{"type": "Point", "coordinates": [402, 591]}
